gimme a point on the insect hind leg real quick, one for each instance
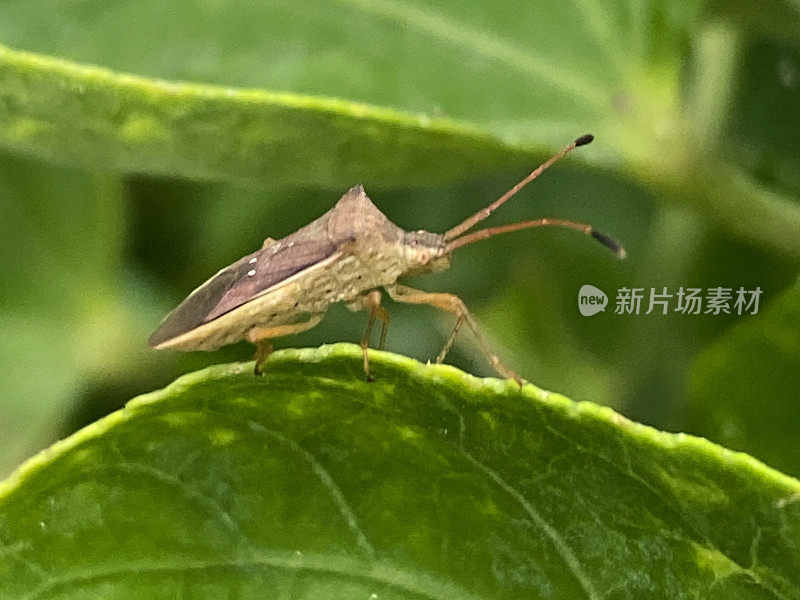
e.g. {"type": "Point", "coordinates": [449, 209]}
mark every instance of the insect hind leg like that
{"type": "Point", "coordinates": [261, 336]}
{"type": "Point", "coordinates": [453, 304]}
{"type": "Point", "coordinates": [450, 340]}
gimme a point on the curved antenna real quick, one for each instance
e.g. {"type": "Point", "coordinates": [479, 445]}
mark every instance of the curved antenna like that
{"type": "Point", "coordinates": [482, 234]}
{"type": "Point", "coordinates": [485, 212]}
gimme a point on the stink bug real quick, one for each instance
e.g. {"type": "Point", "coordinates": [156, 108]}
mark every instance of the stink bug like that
{"type": "Point", "coordinates": [346, 255]}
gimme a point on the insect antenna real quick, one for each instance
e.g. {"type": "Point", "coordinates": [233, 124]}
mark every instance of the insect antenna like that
{"type": "Point", "coordinates": [485, 212]}
{"type": "Point", "coordinates": [457, 236]}
{"type": "Point", "coordinates": [482, 234]}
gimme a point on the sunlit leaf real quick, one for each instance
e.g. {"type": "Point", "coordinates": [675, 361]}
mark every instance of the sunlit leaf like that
{"type": "Point", "coordinates": [427, 483]}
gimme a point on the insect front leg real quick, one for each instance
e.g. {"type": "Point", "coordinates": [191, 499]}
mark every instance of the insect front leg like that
{"type": "Point", "coordinates": [371, 302]}
{"type": "Point", "coordinates": [261, 336]}
{"type": "Point", "coordinates": [454, 304]}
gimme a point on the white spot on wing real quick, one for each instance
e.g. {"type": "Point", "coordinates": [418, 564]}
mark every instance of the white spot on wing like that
{"type": "Point", "coordinates": [252, 260]}
{"type": "Point", "coordinates": [251, 272]}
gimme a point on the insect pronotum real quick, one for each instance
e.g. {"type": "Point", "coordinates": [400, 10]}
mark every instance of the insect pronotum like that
{"type": "Point", "coordinates": [346, 255]}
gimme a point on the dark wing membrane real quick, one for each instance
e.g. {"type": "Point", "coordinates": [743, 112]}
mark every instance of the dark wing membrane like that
{"type": "Point", "coordinates": [241, 282]}
{"type": "Point", "coordinates": [263, 274]}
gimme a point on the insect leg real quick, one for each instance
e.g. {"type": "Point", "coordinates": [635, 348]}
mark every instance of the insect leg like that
{"type": "Point", "coordinates": [261, 336]}
{"type": "Point", "coordinates": [450, 340]}
{"type": "Point", "coordinates": [454, 304]}
{"type": "Point", "coordinates": [371, 301]}
{"type": "Point", "coordinates": [263, 350]}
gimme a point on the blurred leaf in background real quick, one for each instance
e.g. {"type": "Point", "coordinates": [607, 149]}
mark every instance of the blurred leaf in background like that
{"type": "Point", "coordinates": [437, 108]}
{"type": "Point", "coordinates": [69, 307]}
{"type": "Point", "coordinates": [745, 387]}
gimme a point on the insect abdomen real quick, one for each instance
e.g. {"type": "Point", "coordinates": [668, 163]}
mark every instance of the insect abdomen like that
{"type": "Point", "coordinates": [311, 291]}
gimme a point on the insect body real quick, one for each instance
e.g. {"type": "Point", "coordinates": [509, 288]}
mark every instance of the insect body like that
{"type": "Point", "coordinates": [346, 255]}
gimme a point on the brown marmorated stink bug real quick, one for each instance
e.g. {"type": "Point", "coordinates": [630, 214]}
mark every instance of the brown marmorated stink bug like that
{"type": "Point", "coordinates": [286, 286]}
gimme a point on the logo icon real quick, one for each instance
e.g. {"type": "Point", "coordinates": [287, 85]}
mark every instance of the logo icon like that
{"type": "Point", "coordinates": [591, 300]}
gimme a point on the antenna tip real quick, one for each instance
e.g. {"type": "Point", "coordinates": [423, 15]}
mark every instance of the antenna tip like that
{"type": "Point", "coordinates": [584, 139]}
{"type": "Point", "coordinates": [610, 243]}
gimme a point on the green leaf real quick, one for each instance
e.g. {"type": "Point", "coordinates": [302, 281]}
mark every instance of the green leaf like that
{"type": "Point", "coordinates": [428, 483]}
{"type": "Point", "coordinates": [746, 384]}
{"type": "Point", "coordinates": [291, 93]}
{"type": "Point", "coordinates": [777, 20]}
{"type": "Point", "coordinates": [270, 111]}
{"type": "Point", "coordinates": [67, 312]}
{"type": "Point", "coordinates": [89, 116]}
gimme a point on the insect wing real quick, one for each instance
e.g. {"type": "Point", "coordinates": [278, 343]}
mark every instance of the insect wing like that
{"type": "Point", "coordinates": [242, 281]}
{"type": "Point", "coordinates": [275, 268]}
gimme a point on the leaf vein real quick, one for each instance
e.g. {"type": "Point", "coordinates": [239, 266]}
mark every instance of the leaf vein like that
{"type": "Point", "coordinates": [328, 482]}
{"type": "Point", "coordinates": [564, 550]}
{"type": "Point", "coordinates": [705, 540]}
{"type": "Point", "coordinates": [597, 25]}
{"type": "Point", "coordinates": [208, 503]}
{"type": "Point", "coordinates": [419, 584]}
{"type": "Point", "coordinates": [486, 44]}
{"type": "Point", "coordinates": [561, 546]}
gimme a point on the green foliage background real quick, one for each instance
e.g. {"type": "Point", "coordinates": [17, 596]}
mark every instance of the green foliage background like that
{"type": "Point", "coordinates": [427, 484]}
{"type": "Point", "coordinates": [122, 189]}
